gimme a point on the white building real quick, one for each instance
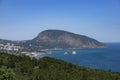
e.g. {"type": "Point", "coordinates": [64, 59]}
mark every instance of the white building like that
{"type": "Point", "coordinates": [9, 47]}
{"type": "Point", "coordinates": [1, 46]}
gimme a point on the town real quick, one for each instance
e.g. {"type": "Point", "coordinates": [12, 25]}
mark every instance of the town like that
{"type": "Point", "coordinates": [18, 50]}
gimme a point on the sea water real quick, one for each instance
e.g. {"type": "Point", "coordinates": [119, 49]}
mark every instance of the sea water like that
{"type": "Point", "coordinates": [100, 58]}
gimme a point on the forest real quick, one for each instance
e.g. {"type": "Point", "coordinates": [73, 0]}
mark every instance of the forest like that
{"type": "Point", "coordinates": [21, 67]}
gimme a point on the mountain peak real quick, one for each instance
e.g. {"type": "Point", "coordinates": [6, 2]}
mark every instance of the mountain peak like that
{"type": "Point", "coordinates": [64, 39]}
{"type": "Point", "coordinates": [51, 34]}
{"type": "Point", "coordinates": [60, 39]}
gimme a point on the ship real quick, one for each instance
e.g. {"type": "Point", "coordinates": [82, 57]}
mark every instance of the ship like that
{"type": "Point", "coordinates": [74, 52]}
{"type": "Point", "coordinates": [65, 53]}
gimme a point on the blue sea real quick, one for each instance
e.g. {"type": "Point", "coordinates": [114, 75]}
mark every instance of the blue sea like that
{"type": "Point", "coordinates": [100, 58]}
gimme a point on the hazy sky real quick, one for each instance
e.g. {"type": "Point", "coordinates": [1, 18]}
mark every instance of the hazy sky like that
{"type": "Point", "coordinates": [24, 19]}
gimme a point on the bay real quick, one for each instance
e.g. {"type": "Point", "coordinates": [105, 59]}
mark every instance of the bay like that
{"type": "Point", "coordinates": [100, 58]}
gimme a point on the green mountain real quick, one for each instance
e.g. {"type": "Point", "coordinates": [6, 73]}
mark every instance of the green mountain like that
{"type": "Point", "coordinates": [57, 39]}
{"type": "Point", "coordinates": [63, 39]}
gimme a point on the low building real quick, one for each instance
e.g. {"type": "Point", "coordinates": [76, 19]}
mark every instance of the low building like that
{"type": "Point", "coordinates": [9, 47]}
{"type": "Point", "coordinates": [1, 46]}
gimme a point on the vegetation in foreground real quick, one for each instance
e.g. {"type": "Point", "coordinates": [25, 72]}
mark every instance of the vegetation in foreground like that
{"type": "Point", "coordinates": [14, 67]}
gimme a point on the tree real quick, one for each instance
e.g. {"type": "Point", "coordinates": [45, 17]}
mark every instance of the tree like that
{"type": "Point", "coordinates": [6, 74]}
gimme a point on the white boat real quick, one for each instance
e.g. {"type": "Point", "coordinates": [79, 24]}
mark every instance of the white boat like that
{"type": "Point", "coordinates": [74, 52]}
{"type": "Point", "coordinates": [65, 53]}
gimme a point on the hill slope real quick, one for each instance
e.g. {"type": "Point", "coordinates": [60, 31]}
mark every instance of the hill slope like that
{"type": "Point", "coordinates": [26, 68]}
{"type": "Point", "coordinates": [64, 39]}
{"type": "Point", "coordinates": [57, 39]}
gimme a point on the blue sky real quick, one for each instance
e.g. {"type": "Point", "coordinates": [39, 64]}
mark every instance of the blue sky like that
{"type": "Point", "coordinates": [24, 19]}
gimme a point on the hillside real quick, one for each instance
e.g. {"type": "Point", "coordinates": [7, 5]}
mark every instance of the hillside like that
{"type": "Point", "coordinates": [14, 67]}
{"type": "Point", "coordinates": [64, 39]}
{"type": "Point", "coordinates": [57, 39]}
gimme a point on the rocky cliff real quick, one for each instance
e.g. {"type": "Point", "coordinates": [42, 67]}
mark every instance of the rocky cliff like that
{"type": "Point", "coordinates": [57, 39]}
{"type": "Point", "coordinates": [64, 39]}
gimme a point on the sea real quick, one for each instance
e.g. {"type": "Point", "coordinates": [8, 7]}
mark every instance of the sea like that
{"type": "Point", "coordinates": [99, 58]}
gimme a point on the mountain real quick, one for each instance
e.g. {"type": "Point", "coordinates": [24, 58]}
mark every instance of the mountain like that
{"type": "Point", "coordinates": [64, 39]}
{"type": "Point", "coordinates": [57, 39]}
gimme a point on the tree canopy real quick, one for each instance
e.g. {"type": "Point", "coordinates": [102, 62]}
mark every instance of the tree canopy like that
{"type": "Point", "coordinates": [19, 67]}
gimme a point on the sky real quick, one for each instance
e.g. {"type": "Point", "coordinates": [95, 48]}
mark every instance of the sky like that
{"type": "Point", "coordinates": [24, 19]}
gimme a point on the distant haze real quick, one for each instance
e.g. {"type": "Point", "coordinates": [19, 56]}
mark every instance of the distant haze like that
{"type": "Point", "coordinates": [24, 19]}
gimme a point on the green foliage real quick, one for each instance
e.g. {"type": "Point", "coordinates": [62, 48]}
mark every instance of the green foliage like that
{"type": "Point", "coordinates": [14, 67]}
{"type": "Point", "coordinates": [6, 74]}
